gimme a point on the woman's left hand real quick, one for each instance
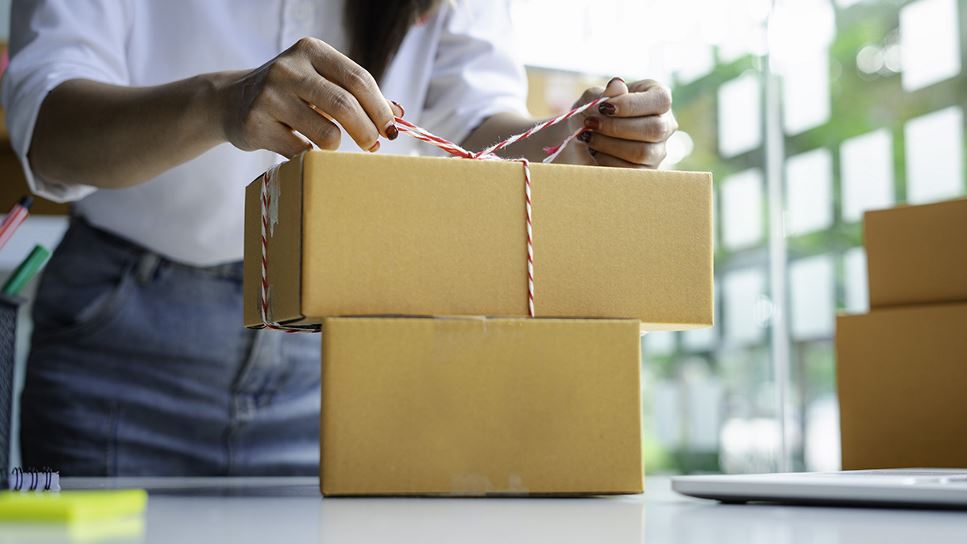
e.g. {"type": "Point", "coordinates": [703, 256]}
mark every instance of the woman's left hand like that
{"type": "Point", "coordinates": [630, 129]}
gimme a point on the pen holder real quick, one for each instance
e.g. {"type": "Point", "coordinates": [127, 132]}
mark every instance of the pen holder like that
{"type": "Point", "coordinates": [8, 339]}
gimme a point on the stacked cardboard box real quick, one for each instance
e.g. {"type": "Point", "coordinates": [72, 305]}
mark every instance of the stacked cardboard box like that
{"type": "Point", "coordinates": [902, 368]}
{"type": "Point", "coordinates": [466, 395]}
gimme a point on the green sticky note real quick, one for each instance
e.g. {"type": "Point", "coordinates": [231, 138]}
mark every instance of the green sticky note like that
{"type": "Point", "coordinates": [71, 506]}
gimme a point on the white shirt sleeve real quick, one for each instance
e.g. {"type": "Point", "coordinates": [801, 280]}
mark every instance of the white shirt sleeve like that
{"type": "Point", "coordinates": [475, 72]}
{"type": "Point", "coordinates": [52, 41]}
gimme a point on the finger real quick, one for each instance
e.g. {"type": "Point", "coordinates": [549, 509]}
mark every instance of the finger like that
{"type": "Point", "coordinates": [643, 85]}
{"type": "Point", "coordinates": [280, 139]}
{"type": "Point", "coordinates": [397, 108]}
{"type": "Point", "coordinates": [653, 128]}
{"type": "Point", "coordinates": [589, 95]}
{"type": "Point", "coordinates": [603, 159]}
{"type": "Point", "coordinates": [341, 70]}
{"type": "Point", "coordinates": [644, 153]}
{"type": "Point", "coordinates": [341, 105]}
{"type": "Point", "coordinates": [615, 87]}
{"type": "Point", "coordinates": [653, 100]}
{"type": "Point", "coordinates": [313, 125]}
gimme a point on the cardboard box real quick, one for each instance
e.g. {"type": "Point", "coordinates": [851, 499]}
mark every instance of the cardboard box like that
{"type": "Point", "coordinates": [476, 406]}
{"type": "Point", "coordinates": [902, 377]}
{"type": "Point", "coordinates": [917, 254]}
{"type": "Point", "coordinates": [354, 234]}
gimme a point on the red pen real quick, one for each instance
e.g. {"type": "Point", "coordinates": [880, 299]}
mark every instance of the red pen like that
{"type": "Point", "coordinates": [17, 215]}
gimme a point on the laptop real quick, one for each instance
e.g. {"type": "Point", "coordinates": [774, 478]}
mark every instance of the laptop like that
{"type": "Point", "coordinates": [917, 487]}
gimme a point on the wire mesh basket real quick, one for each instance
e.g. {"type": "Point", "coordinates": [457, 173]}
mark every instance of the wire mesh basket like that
{"type": "Point", "coordinates": [8, 339]}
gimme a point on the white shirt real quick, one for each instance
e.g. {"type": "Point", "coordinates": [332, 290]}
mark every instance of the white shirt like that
{"type": "Point", "coordinates": [451, 72]}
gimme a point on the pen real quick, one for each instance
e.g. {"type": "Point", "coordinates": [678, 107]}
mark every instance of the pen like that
{"type": "Point", "coordinates": [25, 271]}
{"type": "Point", "coordinates": [18, 214]}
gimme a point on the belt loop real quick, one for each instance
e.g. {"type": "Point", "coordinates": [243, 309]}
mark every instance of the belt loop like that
{"type": "Point", "coordinates": [147, 266]}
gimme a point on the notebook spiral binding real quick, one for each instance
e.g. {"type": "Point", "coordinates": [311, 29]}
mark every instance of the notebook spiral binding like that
{"type": "Point", "coordinates": [34, 480]}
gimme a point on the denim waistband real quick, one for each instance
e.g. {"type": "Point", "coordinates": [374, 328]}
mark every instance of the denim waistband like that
{"type": "Point", "coordinates": [150, 259]}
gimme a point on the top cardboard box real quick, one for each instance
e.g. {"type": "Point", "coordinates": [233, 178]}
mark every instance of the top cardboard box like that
{"type": "Point", "coordinates": [917, 254]}
{"type": "Point", "coordinates": [355, 234]}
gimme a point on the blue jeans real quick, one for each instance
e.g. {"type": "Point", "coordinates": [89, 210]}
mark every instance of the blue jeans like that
{"type": "Point", "coordinates": [141, 366]}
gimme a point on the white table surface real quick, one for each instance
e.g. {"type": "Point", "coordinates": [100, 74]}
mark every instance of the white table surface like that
{"type": "Point", "coordinates": [290, 510]}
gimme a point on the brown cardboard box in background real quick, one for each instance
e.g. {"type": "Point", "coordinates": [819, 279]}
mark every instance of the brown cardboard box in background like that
{"type": "Point", "coordinates": [917, 254]}
{"type": "Point", "coordinates": [902, 379]}
{"type": "Point", "coordinates": [355, 234]}
{"type": "Point", "coordinates": [475, 406]}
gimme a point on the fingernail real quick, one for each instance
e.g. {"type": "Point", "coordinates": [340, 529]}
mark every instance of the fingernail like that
{"type": "Point", "coordinates": [585, 136]}
{"type": "Point", "coordinates": [592, 152]}
{"type": "Point", "coordinates": [615, 78]}
{"type": "Point", "coordinates": [375, 148]}
{"type": "Point", "coordinates": [592, 123]}
{"type": "Point", "coordinates": [400, 106]}
{"type": "Point", "coordinates": [391, 131]}
{"type": "Point", "coordinates": [607, 108]}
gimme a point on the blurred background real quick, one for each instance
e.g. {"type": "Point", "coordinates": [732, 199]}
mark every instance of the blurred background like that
{"type": "Point", "coordinates": [808, 112]}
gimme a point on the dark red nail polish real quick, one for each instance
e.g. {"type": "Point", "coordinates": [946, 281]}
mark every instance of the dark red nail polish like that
{"type": "Point", "coordinates": [607, 108]}
{"type": "Point", "coordinates": [592, 152]}
{"type": "Point", "coordinates": [585, 136]}
{"type": "Point", "coordinates": [615, 78]}
{"type": "Point", "coordinates": [592, 123]}
{"type": "Point", "coordinates": [400, 106]}
{"type": "Point", "coordinates": [391, 131]}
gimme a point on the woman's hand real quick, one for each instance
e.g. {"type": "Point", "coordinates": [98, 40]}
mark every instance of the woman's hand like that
{"type": "Point", "coordinates": [305, 89]}
{"type": "Point", "coordinates": [113, 136]}
{"type": "Point", "coordinates": [630, 129]}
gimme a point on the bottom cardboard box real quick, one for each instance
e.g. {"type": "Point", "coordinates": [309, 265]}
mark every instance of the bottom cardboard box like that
{"type": "Point", "coordinates": [902, 378]}
{"type": "Point", "coordinates": [474, 406]}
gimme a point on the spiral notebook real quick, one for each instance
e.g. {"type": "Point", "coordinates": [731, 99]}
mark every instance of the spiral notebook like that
{"type": "Point", "coordinates": [34, 480]}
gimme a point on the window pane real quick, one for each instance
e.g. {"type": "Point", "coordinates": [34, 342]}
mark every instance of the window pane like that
{"type": "Point", "coordinates": [867, 164]}
{"type": "Point", "coordinates": [822, 448]}
{"type": "Point", "coordinates": [854, 270]}
{"type": "Point", "coordinates": [699, 339]}
{"type": "Point", "coordinates": [658, 343]}
{"type": "Point", "coordinates": [929, 42]}
{"type": "Point", "coordinates": [704, 396]}
{"type": "Point", "coordinates": [740, 119]}
{"type": "Point", "coordinates": [805, 93]}
{"type": "Point", "coordinates": [695, 61]}
{"type": "Point", "coordinates": [813, 297]}
{"type": "Point", "coordinates": [742, 221]}
{"type": "Point", "coordinates": [666, 408]}
{"type": "Point", "coordinates": [935, 155]}
{"type": "Point", "coordinates": [809, 192]}
{"type": "Point", "coordinates": [743, 293]}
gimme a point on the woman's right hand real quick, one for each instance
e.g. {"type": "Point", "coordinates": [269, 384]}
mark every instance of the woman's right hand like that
{"type": "Point", "coordinates": [305, 89]}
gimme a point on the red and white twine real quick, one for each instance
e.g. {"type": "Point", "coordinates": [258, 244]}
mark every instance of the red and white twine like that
{"type": "Point", "coordinates": [424, 135]}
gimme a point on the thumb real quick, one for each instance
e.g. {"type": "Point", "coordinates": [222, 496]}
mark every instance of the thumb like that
{"type": "Point", "coordinates": [589, 95]}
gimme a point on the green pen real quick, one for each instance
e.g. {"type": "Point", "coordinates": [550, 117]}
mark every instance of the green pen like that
{"type": "Point", "coordinates": [25, 271]}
